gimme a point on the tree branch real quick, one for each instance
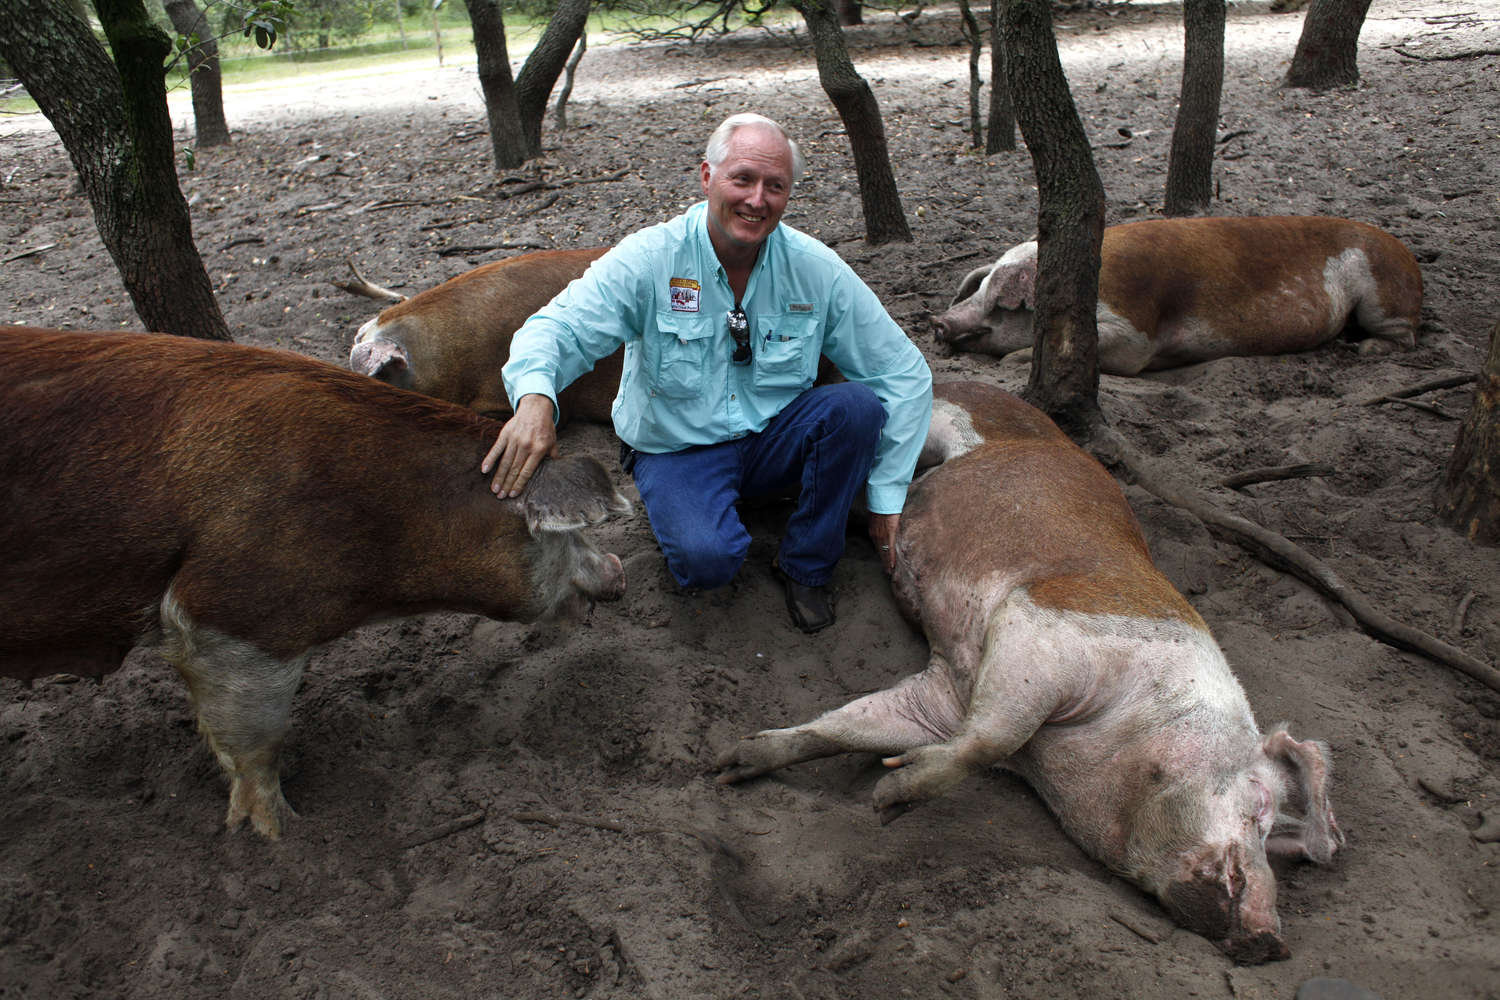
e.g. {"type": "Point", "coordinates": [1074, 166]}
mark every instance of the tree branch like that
{"type": "Point", "coordinates": [361, 286]}
{"type": "Point", "coordinates": [1273, 473]}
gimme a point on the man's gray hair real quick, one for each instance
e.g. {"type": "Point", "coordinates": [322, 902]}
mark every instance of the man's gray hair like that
{"type": "Point", "coordinates": [718, 143]}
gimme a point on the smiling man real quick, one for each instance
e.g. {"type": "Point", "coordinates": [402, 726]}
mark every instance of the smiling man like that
{"type": "Point", "coordinates": [724, 313]}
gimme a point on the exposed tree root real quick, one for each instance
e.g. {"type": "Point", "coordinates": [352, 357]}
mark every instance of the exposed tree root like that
{"type": "Point", "coordinates": [1277, 551]}
{"type": "Point", "coordinates": [1252, 476]}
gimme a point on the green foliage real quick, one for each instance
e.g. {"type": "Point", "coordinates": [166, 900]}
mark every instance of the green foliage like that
{"type": "Point", "coordinates": [265, 17]}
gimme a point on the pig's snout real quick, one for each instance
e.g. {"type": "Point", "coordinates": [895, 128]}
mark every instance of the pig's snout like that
{"type": "Point", "coordinates": [589, 575]}
{"type": "Point", "coordinates": [1256, 949]}
{"type": "Point", "coordinates": [611, 585]}
{"type": "Point", "coordinates": [944, 334]}
{"type": "Point", "coordinates": [383, 360]}
{"type": "Point", "coordinates": [1239, 919]}
{"type": "Point", "coordinates": [942, 329]}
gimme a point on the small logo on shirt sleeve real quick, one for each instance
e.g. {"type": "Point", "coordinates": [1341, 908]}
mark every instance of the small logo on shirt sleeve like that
{"type": "Point", "coordinates": [684, 295]}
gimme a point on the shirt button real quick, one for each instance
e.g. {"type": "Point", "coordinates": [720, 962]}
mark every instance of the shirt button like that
{"type": "Point", "coordinates": [731, 395]}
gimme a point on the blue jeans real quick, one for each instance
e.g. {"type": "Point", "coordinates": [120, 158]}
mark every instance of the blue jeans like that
{"type": "Point", "coordinates": [824, 440]}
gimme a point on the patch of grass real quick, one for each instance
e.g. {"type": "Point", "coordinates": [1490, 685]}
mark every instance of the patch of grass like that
{"type": "Point", "coordinates": [17, 106]}
{"type": "Point", "coordinates": [381, 46]}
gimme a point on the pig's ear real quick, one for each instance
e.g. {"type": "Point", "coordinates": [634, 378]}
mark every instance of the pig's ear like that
{"type": "Point", "coordinates": [970, 284]}
{"type": "Point", "coordinates": [1013, 286]}
{"type": "Point", "coordinates": [569, 493]}
{"type": "Point", "coordinates": [1305, 825]}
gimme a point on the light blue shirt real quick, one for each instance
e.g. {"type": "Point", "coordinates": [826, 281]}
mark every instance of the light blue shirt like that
{"type": "Point", "coordinates": [663, 294]}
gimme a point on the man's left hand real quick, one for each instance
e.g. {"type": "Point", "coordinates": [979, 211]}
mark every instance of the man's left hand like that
{"type": "Point", "coordinates": [883, 529]}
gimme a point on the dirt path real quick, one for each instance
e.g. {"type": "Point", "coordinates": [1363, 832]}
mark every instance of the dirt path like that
{"type": "Point", "coordinates": [489, 810]}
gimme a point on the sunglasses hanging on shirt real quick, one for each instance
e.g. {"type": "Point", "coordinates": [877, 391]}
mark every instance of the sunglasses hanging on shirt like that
{"type": "Point", "coordinates": [739, 329]}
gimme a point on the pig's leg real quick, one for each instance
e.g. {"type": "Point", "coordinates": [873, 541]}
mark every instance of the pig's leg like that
{"type": "Point", "coordinates": [1002, 714]}
{"type": "Point", "coordinates": [244, 697]}
{"type": "Point", "coordinates": [1386, 333]}
{"type": "Point", "coordinates": [1123, 350]}
{"type": "Point", "coordinates": [920, 709]}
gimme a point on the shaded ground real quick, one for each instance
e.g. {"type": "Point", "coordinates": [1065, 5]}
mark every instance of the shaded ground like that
{"type": "Point", "coordinates": [491, 810]}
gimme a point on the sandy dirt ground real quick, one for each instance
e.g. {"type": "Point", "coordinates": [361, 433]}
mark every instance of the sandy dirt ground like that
{"type": "Point", "coordinates": [505, 811]}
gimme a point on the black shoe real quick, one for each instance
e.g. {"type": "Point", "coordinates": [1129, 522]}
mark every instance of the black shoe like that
{"type": "Point", "coordinates": [811, 607]}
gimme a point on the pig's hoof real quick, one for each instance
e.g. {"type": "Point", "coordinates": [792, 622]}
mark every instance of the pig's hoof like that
{"type": "Point", "coordinates": [771, 750]}
{"type": "Point", "coordinates": [264, 807]}
{"type": "Point", "coordinates": [917, 775]}
{"type": "Point", "coordinates": [749, 758]}
{"type": "Point", "coordinates": [894, 811]}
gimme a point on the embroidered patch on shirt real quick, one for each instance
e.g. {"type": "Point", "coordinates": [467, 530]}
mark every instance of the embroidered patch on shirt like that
{"type": "Point", "coordinates": [799, 307]}
{"type": "Point", "coordinates": [684, 292]}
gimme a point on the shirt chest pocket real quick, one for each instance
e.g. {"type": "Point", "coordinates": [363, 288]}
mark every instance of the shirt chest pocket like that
{"type": "Point", "coordinates": [681, 363]}
{"type": "Point", "coordinates": [786, 351]}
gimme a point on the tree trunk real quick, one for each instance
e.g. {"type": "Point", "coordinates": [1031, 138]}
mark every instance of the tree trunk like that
{"type": "Point", "coordinates": [115, 126]}
{"type": "Point", "coordinates": [507, 135]}
{"type": "Point", "coordinates": [1469, 496]}
{"type": "Point", "coordinates": [400, 23]}
{"type": "Point", "coordinates": [1064, 380]}
{"type": "Point", "coordinates": [885, 220]}
{"type": "Point", "coordinates": [1002, 123]}
{"type": "Point", "coordinates": [204, 74]}
{"type": "Point", "coordinates": [851, 12]}
{"type": "Point", "coordinates": [545, 64]}
{"type": "Point", "coordinates": [1326, 52]}
{"type": "Point", "coordinates": [1190, 170]}
{"type": "Point", "coordinates": [970, 26]}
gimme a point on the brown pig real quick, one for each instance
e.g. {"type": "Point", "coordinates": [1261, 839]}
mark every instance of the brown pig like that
{"type": "Point", "coordinates": [1180, 291]}
{"type": "Point", "coordinates": [1061, 652]}
{"type": "Point", "coordinates": [451, 340]}
{"type": "Point", "coordinates": [239, 506]}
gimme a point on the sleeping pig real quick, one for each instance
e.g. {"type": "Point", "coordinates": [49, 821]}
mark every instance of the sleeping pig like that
{"type": "Point", "coordinates": [1181, 291]}
{"type": "Point", "coordinates": [1061, 652]}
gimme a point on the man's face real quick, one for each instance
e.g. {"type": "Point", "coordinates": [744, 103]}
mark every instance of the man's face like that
{"type": "Point", "coordinates": [749, 190]}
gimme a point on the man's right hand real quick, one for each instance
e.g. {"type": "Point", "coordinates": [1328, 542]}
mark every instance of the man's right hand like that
{"type": "Point", "coordinates": [526, 439]}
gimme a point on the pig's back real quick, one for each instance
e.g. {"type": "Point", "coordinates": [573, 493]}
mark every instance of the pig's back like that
{"type": "Point", "coordinates": [132, 459]}
{"type": "Point", "coordinates": [1005, 513]}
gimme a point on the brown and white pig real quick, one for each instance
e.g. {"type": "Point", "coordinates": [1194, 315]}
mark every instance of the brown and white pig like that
{"type": "Point", "coordinates": [1180, 291]}
{"type": "Point", "coordinates": [239, 506]}
{"type": "Point", "coordinates": [451, 340]}
{"type": "Point", "coordinates": [1061, 652]}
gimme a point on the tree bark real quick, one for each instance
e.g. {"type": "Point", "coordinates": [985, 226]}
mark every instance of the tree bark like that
{"type": "Point", "coordinates": [112, 118]}
{"type": "Point", "coordinates": [1190, 170]}
{"type": "Point", "coordinates": [560, 107]}
{"type": "Point", "coordinates": [851, 12]}
{"type": "Point", "coordinates": [204, 74]}
{"type": "Point", "coordinates": [1002, 118]}
{"type": "Point", "coordinates": [885, 220]}
{"type": "Point", "coordinates": [1326, 55]}
{"type": "Point", "coordinates": [970, 27]}
{"type": "Point", "coordinates": [1064, 381]}
{"type": "Point", "coordinates": [545, 64]}
{"type": "Point", "coordinates": [1469, 496]}
{"type": "Point", "coordinates": [501, 104]}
